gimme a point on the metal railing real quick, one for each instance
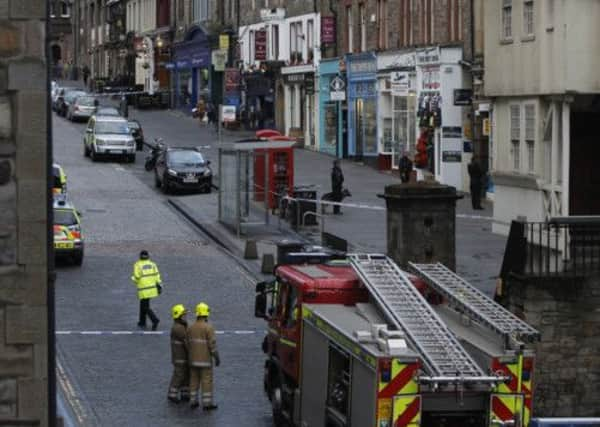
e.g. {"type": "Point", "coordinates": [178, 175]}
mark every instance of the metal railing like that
{"type": "Point", "coordinates": [568, 246]}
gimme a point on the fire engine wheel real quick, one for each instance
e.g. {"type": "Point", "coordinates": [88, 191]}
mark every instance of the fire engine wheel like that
{"type": "Point", "coordinates": [279, 419]}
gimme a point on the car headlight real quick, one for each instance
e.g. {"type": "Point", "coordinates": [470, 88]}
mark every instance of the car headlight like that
{"type": "Point", "coordinates": [171, 172]}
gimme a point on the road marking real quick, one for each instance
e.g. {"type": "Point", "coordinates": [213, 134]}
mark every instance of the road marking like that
{"type": "Point", "coordinates": [120, 168]}
{"type": "Point", "coordinates": [95, 333]}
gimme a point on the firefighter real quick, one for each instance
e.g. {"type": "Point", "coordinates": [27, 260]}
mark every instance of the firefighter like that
{"type": "Point", "coordinates": [179, 387]}
{"type": "Point", "coordinates": [147, 279]}
{"type": "Point", "coordinates": [202, 347]}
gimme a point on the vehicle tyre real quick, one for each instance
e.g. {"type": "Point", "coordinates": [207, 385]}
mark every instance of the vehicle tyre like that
{"type": "Point", "coordinates": [93, 155]}
{"type": "Point", "coordinates": [165, 184]}
{"type": "Point", "coordinates": [78, 258]}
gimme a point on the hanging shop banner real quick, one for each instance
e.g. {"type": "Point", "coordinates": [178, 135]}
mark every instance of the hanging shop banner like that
{"type": "Point", "coordinates": [232, 81]}
{"type": "Point", "coordinates": [224, 42]}
{"type": "Point", "coordinates": [260, 45]}
{"type": "Point", "coordinates": [219, 59]}
{"type": "Point", "coordinates": [328, 30]}
{"type": "Point", "coordinates": [485, 127]}
{"type": "Point", "coordinates": [400, 82]}
{"type": "Point", "coordinates": [431, 78]}
{"type": "Point", "coordinates": [309, 83]}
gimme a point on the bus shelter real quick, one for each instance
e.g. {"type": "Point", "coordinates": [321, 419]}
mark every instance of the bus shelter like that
{"type": "Point", "coordinates": [242, 204]}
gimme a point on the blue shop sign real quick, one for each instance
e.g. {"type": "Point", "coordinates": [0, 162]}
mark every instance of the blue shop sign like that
{"type": "Point", "coordinates": [362, 89]}
{"type": "Point", "coordinates": [361, 65]}
{"type": "Point", "coordinates": [194, 52]}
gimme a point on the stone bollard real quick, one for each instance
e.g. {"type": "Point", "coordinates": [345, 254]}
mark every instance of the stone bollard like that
{"type": "Point", "coordinates": [250, 252]}
{"type": "Point", "coordinates": [268, 264]}
{"type": "Point", "coordinates": [421, 221]}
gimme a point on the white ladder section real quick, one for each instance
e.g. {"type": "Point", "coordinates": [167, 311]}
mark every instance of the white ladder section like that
{"type": "Point", "coordinates": [405, 307]}
{"type": "Point", "coordinates": [464, 296]}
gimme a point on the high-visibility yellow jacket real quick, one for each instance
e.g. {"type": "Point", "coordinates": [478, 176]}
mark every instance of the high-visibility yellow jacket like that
{"type": "Point", "coordinates": [146, 276]}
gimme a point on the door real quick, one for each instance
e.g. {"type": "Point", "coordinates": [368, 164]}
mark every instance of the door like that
{"type": "Point", "coordinates": [584, 181]}
{"type": "Point", "coordinates": [359, 128]}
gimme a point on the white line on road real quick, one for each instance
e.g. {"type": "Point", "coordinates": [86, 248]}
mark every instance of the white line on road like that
{"type": "Point", "coordinates": [91, 332]}
{"type": "Point", "coordinates": [120, 168]}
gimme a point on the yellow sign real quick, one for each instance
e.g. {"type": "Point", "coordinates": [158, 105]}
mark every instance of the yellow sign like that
{"type": "Point", "coordinates": [224, 42]}
{"type": "Point", "coordinates": [485, 127]}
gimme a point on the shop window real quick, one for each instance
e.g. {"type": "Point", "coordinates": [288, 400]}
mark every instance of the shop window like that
{"type": "Point", "coordinates": [530, 136]}
{"type": "Point", "coordinates": [331, 127]}
{"type": "Point", "coordinates": [309, 39]}
{"type": "Point", "coordinates": [528, 22]}
{"type": "Point", "coordinates": [506, 19]}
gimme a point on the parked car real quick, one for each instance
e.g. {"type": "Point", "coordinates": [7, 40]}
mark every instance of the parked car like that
{"type": "Point", "coordinates": [58, 95]}
{"type": "Point", "coordinates": [108, 136]}
{"type": "Point", "coordinates": [136, 131]}
{"type": "Point", "coordinates": [68, 98]}
{"type": "Point", "coordinates": [107, 111]}
{"type": "Point", "coordinates": [82, 107]}
{"type": "Point", "coordinates": [68, 239]}
{"type": "Point", "coordinates": [182, 168]}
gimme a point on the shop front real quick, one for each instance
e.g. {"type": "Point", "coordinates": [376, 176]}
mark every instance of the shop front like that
{"type": "Point", "coordinates": [299, 102]}
{"type": "Point", "coordinates": [442, 116]}
{"type": "Point", "coordinates": [361, 72]}
{"type": "Point", "coordinates": [331, 108]}
{"type": "Point", "coordinates": [258, 98]}
{"type": "Point", "coordinates": [190, 70]}
{"type": "Point", "coordinates": [396, 109]}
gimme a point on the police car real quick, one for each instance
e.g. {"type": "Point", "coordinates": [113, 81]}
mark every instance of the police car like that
{"type": "Point", "coordinates": [68, 239]}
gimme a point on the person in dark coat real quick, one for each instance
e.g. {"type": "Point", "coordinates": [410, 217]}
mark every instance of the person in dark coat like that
{"type": "Point", "coordinates": [405, 167]}
{"type": "Point", "coordinates": [476, 175]}
{"type": "Point", "coordinates": [337, 180]}
{"type": "Point", "coordinates": [86, 74]}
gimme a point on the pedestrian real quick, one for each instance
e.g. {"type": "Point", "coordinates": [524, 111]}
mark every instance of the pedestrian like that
{"type": "Point", "coordinates": [179, 388]}
{"type": "Point", "coordinates": [337, 180]}
{"type": "Point", "coordinates": [123, 106]}
{"type": "Point", "coordinates": [202, 346]}
{"type": "Point", "coordinates": [86, 74]}
{"type": "Point", "coordinates": [405, 167]}
{"type": "Point", "coordinates": [476, 175]}
{"type": "Point", "coordinates": [201, 110]}
{"type": "Point", "coordinates": [147, 279]}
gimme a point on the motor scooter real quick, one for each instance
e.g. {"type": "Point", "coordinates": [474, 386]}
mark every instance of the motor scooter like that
{"type": "Point", "coordinates": [158, 147]}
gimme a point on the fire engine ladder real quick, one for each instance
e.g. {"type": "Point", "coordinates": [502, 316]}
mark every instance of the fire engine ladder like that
{"type": "Point", "coordinates": [472, 302]}
{"type": "Point", "coordinates": [443, 356]}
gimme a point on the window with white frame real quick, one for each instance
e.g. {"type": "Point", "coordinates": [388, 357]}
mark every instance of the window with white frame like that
{"type": "Point", "coordinates": [296, 40]}
{"type": "Point", "coordinates": [515, 136]}
{"type": "Point", "coordinates": [275, 41]}
{"type": "Point", "coordinates": [528, 22]}
{"type": "Point", "coordinates": [506, 19]}
{"type": "Point", "coordinates": [65, 11]}
{"type": "Point", "coordinates": [362, 22]}
{"type": "Point", "coordinates": [310, 28]}
{"type": "Point", "coordinates": [530, 136]}
{"type": "Point", "coordinates": [350, 29]}
{"type": "Point", "coordinates": [251, 46]}
{"type": "Point", "coordinates": [200, 10]}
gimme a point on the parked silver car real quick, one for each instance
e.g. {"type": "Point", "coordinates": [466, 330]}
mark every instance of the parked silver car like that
{"type": "Point", "coordinates": [108, 136]}
{"type": "Point", "coordinates": [82, 107]}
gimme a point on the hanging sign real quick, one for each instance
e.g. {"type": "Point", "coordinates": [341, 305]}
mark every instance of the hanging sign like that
{"type": "Point", "coordinates": [232, 80]}
{"type": "Point", "coordinates": [400, 81]}
{"type": "Point", "coordinates": [219, 58]}
{"type": "Point", "coordinates": [328, 30]}
{"type": "Point", "coordinates": [485, 127]}
{"type": "Point", "coordinates": [228, 113]}
{"type": "Point", "coordinates": [224, 42]}
{"type": "Point", "coordinates": [260, 45]}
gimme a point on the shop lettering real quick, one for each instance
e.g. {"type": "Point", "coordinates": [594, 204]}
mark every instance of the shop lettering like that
{"type": "Point", "coordinates": [363, 67]}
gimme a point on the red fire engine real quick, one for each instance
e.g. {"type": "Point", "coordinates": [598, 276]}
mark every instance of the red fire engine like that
{"type": "Point", "coordinates": [356, 341]}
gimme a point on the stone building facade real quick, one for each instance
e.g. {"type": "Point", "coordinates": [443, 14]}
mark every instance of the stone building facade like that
{"type": "Point", "coordinates": [25, 352]}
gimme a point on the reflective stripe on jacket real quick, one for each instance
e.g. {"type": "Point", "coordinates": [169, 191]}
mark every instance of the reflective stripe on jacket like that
{"type": "Point", "coordinates": [179, 353]}
{"type": "Point", "coordinates": [146, 276]}
{"type": "Point", "coordinates": [202, 343]}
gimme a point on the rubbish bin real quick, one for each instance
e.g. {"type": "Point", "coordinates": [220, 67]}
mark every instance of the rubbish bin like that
{"type": "Point", "coordinates": [307, 193]}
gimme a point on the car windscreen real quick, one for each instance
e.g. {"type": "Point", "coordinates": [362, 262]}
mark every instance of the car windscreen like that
{"type": "Point", "coordinates": [112, 127]}
{"type": "Point", "coordinates": [107, 112]}
{"type": "Point", "coordinates": [87, 101]}
{"type": "Point", "coordinates": [186, 158]}
{"type": "Point", "coordinates": [70, 96]}
{"type": "Point", "coordinates": [64, 217]}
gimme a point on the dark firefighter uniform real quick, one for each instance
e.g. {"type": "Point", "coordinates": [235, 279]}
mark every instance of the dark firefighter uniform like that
{"type": "Point", "coordinates": [202, 346]}
{"type": "Point", "coordinates": [179, 387]}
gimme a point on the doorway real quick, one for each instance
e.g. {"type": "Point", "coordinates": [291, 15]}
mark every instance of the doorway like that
{"type": "Point", "coordinates": [584, 180]}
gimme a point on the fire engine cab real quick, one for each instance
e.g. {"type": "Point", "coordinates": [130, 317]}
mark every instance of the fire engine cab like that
{"type": "Point", "coordinates": [355, 341]}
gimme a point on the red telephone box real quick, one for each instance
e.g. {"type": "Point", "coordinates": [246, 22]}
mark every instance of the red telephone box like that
{"type": "Point", "coordinates": [280, 177]}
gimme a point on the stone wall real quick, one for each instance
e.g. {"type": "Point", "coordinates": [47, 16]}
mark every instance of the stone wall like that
{"type": "Point", "coordinates": [567, 313]}
{"type": "Point", "coordinates": [23, 214]}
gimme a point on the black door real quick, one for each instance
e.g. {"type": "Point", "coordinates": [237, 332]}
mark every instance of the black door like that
{"type": "Point", "coordinates": [584, 181]}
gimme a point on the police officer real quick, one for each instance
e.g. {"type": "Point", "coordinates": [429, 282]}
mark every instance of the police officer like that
{"type": "Point", "coordinates": [202, 346]}
{"type": "Point", "coordinates": [179, 387]}
{"type": "Point", "coordinates": [147, 279]}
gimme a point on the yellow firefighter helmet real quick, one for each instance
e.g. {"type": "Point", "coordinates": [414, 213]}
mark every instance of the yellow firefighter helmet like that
{"type": "Point", "coordinates": [202, 310]}
{"type": "Point", "coordinates": [177, 311]}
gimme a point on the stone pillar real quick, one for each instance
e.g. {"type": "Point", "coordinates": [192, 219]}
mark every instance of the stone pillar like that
{"type": "Point", "coordinates": [421, 223]}
{"type": "Point", "coordinates": [25, 374]}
